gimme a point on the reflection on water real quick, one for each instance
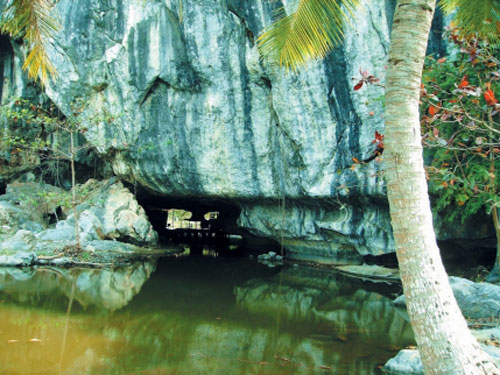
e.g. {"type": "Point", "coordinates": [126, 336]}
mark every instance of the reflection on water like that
{"type": "Point", "coordinates": [101, 288]}
{"type": "Point", "coordinates": [193, 316]}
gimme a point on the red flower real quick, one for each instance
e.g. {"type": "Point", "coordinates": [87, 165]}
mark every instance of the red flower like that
{"type": "Point", "coordinates": [463, 82]}
{"type": "Point", "coordinates": [489, 96]}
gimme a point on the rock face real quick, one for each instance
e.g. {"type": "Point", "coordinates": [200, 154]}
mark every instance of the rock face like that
{"type": "Point", "coordinates": [180, 102]}
{"type": "Point", "coordinates": [476, 300]}
{"type": "Point", "coordinates": [107, 211]}
{"type": "Point", "coordinates": [407, 362]}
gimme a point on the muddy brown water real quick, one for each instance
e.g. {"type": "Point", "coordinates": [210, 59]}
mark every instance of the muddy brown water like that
{"type": "Point", "coordinates": [195, 315]}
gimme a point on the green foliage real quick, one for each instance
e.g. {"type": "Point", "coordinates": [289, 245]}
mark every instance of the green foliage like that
{"type": "Point", "coordinates": [479, 17]}
{"type": "Point", "coordinates": [461, 128]}
{"type": "Point", "coordinates": [308, 33]}
{"type": "Point", "coordinates": [37, 127]}
{"type": "Point", "coordinates": [33, 21]}
{"type": "Point", "coordinates": [30, 128]}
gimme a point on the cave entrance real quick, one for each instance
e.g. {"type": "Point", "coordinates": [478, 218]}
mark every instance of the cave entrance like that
{"type": "Point", "coordinates": [198, 224]}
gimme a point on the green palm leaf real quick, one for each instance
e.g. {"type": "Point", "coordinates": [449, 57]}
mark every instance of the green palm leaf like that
{"type": "Point", "coordinates": [32, 21]}
{"type": "Point", "coordinates": [475, 16]}
{"type": "Point", "coordinates": [310, 32]}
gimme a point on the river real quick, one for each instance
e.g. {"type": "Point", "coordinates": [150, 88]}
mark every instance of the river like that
{"type": "Point", "coordinates": [195, 315]}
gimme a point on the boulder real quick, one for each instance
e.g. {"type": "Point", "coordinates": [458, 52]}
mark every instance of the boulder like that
{"type": "Point", "coordinates": [406, 362]}
{"type": "Point", "coordinates": [63, 231]}
{"type": "Point", "coordinates": [476, 300]}
{"type": "Point", "coordinates": [110, 211]}
{"type": "Point", "coordinates": [22, 241]}
{"type": "Point", "coordinates": [11, 217]}
{"type": "Point", "coordinates": [107, 211]}
{"type": "Point", "coordinates": [20, 258]}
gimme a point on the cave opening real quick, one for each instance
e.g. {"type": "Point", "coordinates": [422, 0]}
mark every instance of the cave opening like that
{"type": "Point", "coordinates": [205, 226]}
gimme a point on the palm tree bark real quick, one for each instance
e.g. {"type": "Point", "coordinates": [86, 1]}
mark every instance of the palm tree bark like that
{"type": "Point", "coordinates": [444, 340]}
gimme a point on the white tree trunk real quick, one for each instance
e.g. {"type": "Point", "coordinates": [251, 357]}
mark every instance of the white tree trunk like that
{"type": "Point", "coordinates": [444, 340]}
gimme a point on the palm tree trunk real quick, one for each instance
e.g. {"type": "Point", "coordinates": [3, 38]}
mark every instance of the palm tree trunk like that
{"type": "Point", "coordinates": [444, 340]}
{"type": "Point", "coordinates": [494, 276]}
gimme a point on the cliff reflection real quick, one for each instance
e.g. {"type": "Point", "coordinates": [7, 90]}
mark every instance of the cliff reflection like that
{"type": "Point", "coordinates": [197, 316]}
{"type": "Point", "coordinates": [104, 289]}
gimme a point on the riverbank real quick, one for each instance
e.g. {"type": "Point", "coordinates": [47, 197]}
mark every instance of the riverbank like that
{"type": "Point", "coordinates": [38, 226]}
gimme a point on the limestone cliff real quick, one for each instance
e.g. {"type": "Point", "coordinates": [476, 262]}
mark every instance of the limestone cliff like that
{"type": "Point", "coordinates": [181, 103]}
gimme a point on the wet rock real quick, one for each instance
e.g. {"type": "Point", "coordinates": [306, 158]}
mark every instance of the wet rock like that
{"type": "Point", "coordinates": [488, 334]}
{"type": "Point", "coordinates": [476, 300]}
{"type": "Point", "coordinates": [64, 261]}
{"type": "Point", "coordinates": [270, 259]}
{"type": "Point", "coordinates": [20, 258]}
{"type": "Point", "coordinates": [407, 362]}
{"type": "Point", "coordinates": [371, 272]}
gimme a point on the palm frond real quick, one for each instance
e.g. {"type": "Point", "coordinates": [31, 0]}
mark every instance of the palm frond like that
{"type": "Point", "coordinates": [475, 16]}
{"type": "Point", "coordinates": [310, 32]}
{"type": "Point", "coordinates": [32, 21]}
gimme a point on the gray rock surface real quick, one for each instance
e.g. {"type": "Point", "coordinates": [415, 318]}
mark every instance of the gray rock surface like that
{"type": "Point", "coordinates": [20, 258]}
{"type": "Point", "coordinates": [189, 109]}
{"type": "Point", "coordinates": [23, 240]}
{"type": "Point", "coordinates": [406, 362]}
{"type": "Point", "coordinates": [476, 300]}
{"type": "Point", "coordinates": [111, 221]}
{"type": "Point", "coordinates": [108, 211]}
{"type": "Point", "coordinates": [322, 231]}
{"type": "Point", "coordinates": [26, 206]}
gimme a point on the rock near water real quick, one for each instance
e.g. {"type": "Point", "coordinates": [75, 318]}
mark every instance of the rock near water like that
{"type": "Point", "coordinates": [181, 103]}
{"type": "Point", "coordinates": [476, 300]}
{"type": "Point", "coordinates": [108, 212]}
{"type": "Point", "coordinates": [109, 219]}
{"type": "Point", "coordinates": [409, 362]}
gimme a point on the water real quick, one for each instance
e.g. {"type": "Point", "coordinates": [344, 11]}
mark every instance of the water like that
{"type": "Point", "coordinates": [194, 315]}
